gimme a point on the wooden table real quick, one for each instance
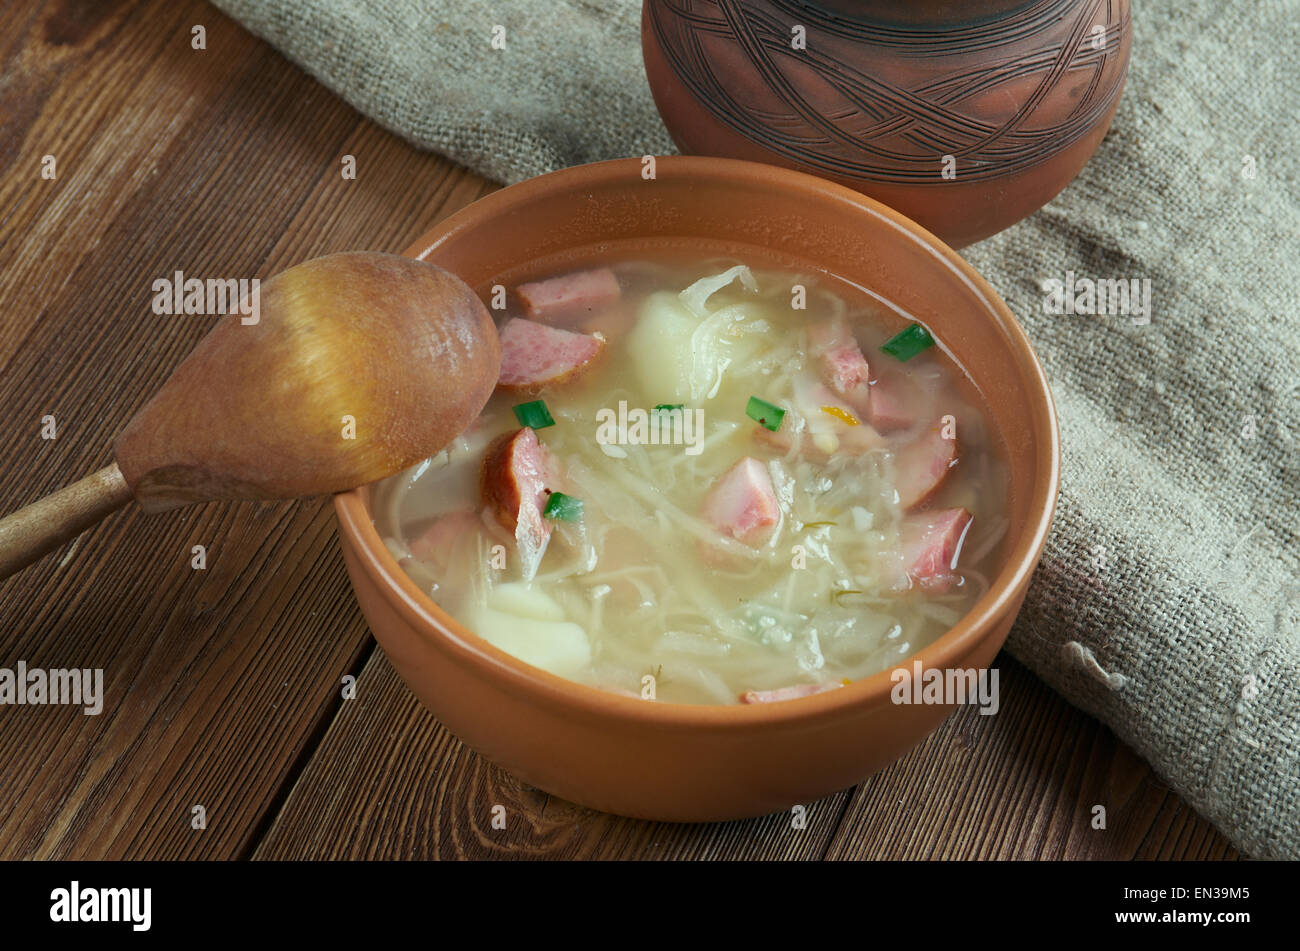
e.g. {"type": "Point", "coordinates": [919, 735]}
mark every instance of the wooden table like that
{"type": "Point", "coordinates": [223, 685]}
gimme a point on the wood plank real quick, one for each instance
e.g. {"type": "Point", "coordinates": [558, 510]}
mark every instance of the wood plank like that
{"type": "Point", "coordinates": [1021, 784]}
{"type": "Point", "coordinates": [224, 163]}
{"type": "Point", "coordinates": [389, 782]}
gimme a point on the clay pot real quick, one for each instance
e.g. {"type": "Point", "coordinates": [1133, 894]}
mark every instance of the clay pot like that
{"type": "Point", "coordinates": [965, 115]}
{"type": "Point", "coordinates": [683, 762]}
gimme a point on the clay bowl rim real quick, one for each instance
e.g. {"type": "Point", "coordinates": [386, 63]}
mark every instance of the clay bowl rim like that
{"type": "Point", "coordinates": [419, 610]}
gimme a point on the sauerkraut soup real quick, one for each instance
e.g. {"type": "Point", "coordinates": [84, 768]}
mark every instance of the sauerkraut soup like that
{"type": "Point", "coordinates": [708, 483]}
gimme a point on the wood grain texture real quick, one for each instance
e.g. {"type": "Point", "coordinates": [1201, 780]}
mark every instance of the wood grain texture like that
{"type": "Point", "coordinates": [387, 781]}
{"type": "Point", "coordinates": [223, 162]}
{"type": "Point", "coordinates": [1022, 784]}
{"type": "Point", "coordinates": [222, 685]}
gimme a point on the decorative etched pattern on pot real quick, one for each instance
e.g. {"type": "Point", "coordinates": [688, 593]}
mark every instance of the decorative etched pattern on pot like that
{"type": "Point", "coordinates": [863, 99]}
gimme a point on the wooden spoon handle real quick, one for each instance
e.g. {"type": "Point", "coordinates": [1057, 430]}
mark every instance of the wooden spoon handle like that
{"type": "Point", "coordinates": [47, 523]}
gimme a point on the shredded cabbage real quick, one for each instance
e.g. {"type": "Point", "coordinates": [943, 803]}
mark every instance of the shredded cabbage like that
{"type": "Point", "coordinates": [633, 576]}
{"type": "Point", "coordinates": [695, 297]}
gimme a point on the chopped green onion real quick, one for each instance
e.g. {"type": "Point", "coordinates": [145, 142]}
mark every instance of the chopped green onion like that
{"type": "Point", "coordinates": [764, 413]}
{"type": "Point", "coordinates": [534, 415]}
{"type": "Point", "coordinates": [839, 593]}
{"type": "Point", "coordinates": [563, 507]}
{"type": "Point", "coordinates": [669, 407]}
{"type": "Point", "coordinates": [908, 343]}
{"type": "Point", "coordinates": [819, 524]}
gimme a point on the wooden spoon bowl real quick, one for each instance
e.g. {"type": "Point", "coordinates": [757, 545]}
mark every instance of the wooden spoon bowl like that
{"type": "Point", "coordinates": [357, 366]}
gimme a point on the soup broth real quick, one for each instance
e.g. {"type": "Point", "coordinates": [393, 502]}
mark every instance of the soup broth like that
{"type": "Point", "coordinates": [741, 498]}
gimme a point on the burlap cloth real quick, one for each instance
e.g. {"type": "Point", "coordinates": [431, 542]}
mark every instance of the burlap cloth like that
{"type": "Point", "coordinates": [1168, 598]}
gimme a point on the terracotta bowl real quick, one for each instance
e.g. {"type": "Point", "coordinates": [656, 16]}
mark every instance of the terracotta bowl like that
{"type": "Point", "coordinates": [965, 115]}
{"type": "Point", "coordinates": [673, 761]}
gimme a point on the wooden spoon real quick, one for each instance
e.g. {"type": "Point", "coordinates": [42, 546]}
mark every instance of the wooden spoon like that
{"type": "Point", "coordinates": [358, 366]}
